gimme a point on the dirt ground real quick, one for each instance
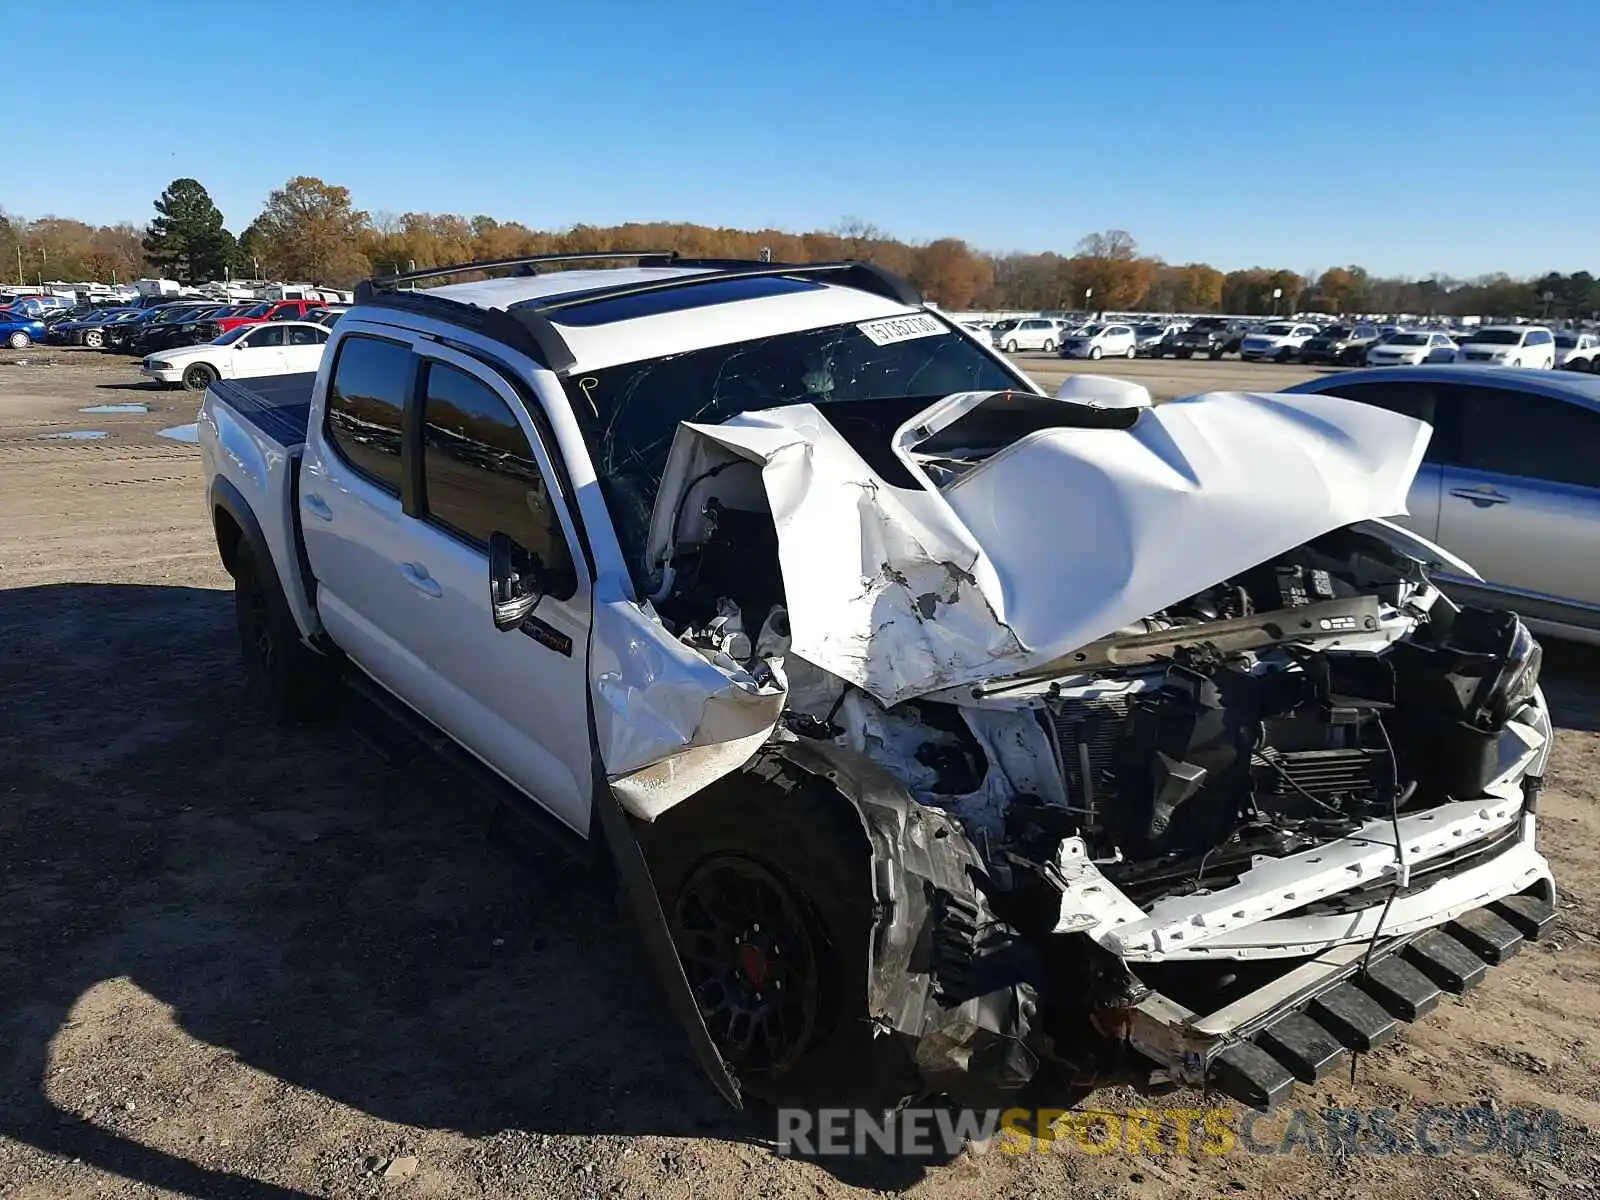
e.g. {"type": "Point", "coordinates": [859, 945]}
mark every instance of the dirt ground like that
{"type": "Point", "coordinates": [235, 963]}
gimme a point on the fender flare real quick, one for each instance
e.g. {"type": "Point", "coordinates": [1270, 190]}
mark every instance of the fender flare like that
{"type": "Point", "coordinates": [229, 499]}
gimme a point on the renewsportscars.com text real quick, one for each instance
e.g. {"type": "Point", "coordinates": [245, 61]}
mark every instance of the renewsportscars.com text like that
{"type": "Point", "coordinates": [926, 1132]}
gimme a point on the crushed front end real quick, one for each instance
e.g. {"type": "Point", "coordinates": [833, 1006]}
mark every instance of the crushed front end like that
{"type": "Point", "coordinates": [1285, 802]}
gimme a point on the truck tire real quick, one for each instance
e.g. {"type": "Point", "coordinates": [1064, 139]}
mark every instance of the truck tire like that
{"type": "Point", "coordinates": [293, 682]}
{"type": "Point", "coordinates": [199, 377]}
{"type": "Point", "coordinates": [768, 895]}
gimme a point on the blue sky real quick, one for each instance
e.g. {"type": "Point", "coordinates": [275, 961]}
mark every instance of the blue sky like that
{"type": "Point", "coordinates": [1455, 137]}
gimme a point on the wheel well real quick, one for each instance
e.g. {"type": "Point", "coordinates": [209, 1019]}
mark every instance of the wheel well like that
{"type": "Point", "coordinates": [228, 535]}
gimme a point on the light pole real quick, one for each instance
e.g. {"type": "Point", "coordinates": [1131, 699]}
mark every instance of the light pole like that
{"type": "Point", "coordinates": [1277, 294]}
{"type": "Point", "coordinates": [1088, 294]}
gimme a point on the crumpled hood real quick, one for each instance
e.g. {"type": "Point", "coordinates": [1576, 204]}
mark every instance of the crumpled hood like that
{"type": "Point", "coordinates": [1060, 537]}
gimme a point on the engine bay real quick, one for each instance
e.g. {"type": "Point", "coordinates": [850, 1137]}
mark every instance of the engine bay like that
{"type": "Point", "coordinates": [1272, 712]}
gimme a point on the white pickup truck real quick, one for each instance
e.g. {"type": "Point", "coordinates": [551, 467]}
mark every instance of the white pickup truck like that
{"type": "Point", "coordinates": [939, 731]}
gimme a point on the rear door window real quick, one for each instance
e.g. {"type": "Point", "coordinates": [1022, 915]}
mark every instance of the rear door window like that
{"type": "Point", "coordinates": [366, 400]}
{"type": "Point", "coordinates": [1528, 436]}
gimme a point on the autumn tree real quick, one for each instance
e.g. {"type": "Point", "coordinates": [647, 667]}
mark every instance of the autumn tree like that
{"type": "Point", "coordinates": [949, 273]}
{"type": "Point", "coordinates": [309, 231]}
{"type": "Point", "coordinates": [1107, 272]}
{"type": "Point", "coordinates": [1197, 287]}
{"type": "Point", "coordinates": [10, 239]}
{"type": "Point", "coordinates": [115, 253]}
{"type": "Point", "coordinates": [186, 239]}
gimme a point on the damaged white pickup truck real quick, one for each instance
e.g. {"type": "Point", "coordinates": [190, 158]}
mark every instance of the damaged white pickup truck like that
{"type": "Point", "coordinates": [941, 732]}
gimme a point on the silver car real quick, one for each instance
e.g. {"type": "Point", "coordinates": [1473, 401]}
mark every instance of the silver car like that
{"type": "Point", "coordinates": [1510, 483]}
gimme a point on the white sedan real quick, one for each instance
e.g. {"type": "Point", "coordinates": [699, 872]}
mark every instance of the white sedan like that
{"type": "Point", "coordinates": [1100, 341]}
{"type": "Point", "coordinates": [1278, 340]}
{"type": "Point", "coordinates": [1412, 348]}
{"type": "Point", "coordinates": [269, 348]}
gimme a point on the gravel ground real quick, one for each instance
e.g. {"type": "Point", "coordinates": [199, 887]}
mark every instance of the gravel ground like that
{"type": "Point", "coordinates": [241, 964]}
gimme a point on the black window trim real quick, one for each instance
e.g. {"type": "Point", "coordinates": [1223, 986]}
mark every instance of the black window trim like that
{"type": "Point", "coordinates": [408, 489]}
{"type": "Point", "coordinates": [413, 448]}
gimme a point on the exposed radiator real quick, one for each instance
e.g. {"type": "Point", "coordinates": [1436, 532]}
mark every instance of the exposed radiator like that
{"type": "Point", "coordinates": [1087, 730]}
{"type": "Point", "coordinates": [1335, 777]}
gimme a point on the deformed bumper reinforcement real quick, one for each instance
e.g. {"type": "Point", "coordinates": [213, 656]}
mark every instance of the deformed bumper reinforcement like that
{"type": "Point", "coordinates": [1304, 1024]}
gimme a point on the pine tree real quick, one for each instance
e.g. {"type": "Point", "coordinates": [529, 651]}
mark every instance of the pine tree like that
{"type": "Point", "coordinates": [187, 239]}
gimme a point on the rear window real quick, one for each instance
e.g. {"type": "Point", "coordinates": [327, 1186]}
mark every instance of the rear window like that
{"type": "Point", "coordinates": [366, 398]}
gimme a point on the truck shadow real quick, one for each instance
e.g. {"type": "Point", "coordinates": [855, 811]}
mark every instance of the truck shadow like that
{"type": "Point", "coordinates": [335, 923]}
{"type": "Point", "coordinates": [338, 924]}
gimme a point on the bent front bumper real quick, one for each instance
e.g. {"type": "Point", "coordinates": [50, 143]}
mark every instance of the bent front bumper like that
{"type": "Point", "coordinates": [1368, 930]}
{"type": "Point", "coordinates": [1300, 1026]}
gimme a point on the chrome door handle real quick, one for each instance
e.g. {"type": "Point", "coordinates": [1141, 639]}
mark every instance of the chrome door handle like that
{"type": "Point", "coordinates": [317, 506]}
{"type": "Point", "coordinates": [417, 576]}
{"type": "Point", "coordinates": [1482, 497]}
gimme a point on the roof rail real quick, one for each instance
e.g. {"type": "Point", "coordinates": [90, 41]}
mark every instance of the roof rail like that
{"type": "Point", "coordinates": [863, 276]}
{"type": "Point", "coordinates": [388, 282]}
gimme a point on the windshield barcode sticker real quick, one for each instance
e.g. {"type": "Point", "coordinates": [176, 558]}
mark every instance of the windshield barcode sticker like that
{"type": "Point", "coordinates": [901, 329]}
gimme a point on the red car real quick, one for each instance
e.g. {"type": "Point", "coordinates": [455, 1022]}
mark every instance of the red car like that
{"type": "Point", "coordinates": [269, 310]}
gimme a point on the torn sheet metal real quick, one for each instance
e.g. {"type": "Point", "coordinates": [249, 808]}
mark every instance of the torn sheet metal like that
{"type": "Point", "coordinates": [671, 720]}
{"type": "Point", "coordinates": [1063, 536]}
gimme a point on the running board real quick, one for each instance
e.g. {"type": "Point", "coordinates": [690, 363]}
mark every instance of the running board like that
{"type": "Point", "coordinates": [1301, 1027]}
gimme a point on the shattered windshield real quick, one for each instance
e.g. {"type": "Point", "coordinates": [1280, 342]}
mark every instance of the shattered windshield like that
{"type": "Point", "coordinates": [629, 413]}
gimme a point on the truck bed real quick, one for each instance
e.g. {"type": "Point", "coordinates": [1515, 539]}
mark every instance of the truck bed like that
{"type": "Point", "coordinates": [278, 405]}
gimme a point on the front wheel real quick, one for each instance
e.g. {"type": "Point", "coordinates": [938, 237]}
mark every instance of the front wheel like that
{"type": "Point", "coordinates": [1094, 352]}
{"type": "Point", "coordinates": [94, 339]}
{"type": "Point", "coordinates": [1048, 346]}
{"type": "Point", "coordinates": [1131, 352]}
{"type": "Point", "coordinates": [199, 377]}
{"type": "Point", "coordinates": [19, 341]}
{"type": "Point", "coordinates": [768, 895]}
{"type": "Point", "coordinates": [1011, 347]}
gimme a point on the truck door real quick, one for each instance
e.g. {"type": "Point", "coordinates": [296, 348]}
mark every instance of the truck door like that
{"type": "Point", "coordinates": [515, 698]}
{"type": "Point", "coordinates": [423, 454]}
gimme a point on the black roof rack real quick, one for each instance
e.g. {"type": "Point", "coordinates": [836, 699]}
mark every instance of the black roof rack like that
{"type": "Point", "coordinates": [384, 282]}
{"type": "Point", "coordinates": [527, 325]}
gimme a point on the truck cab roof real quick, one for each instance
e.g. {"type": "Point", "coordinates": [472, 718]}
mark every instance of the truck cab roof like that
{"type": "Point", "coordinates": [569, 319]}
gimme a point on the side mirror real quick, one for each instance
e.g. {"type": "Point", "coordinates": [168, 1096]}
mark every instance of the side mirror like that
{"type": "Point", "coordinates": [515, 581]}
